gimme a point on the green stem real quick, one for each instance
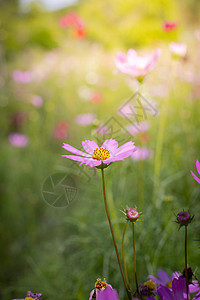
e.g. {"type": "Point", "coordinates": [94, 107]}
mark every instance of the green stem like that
{"type": "Point", "coordinates": [186, 273]}
{"type": "Point", "coordinates": [113, 236]}
{"type": "Point", "coordinates": [123, 255]}
{"type": "Point", "coordinates": [134, 252]}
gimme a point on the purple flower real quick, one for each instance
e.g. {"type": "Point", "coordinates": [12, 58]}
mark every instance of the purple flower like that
{"type": "Point", "coordinates": [178, 290]}
{"type": "Point", "coordinates": [95, 156]}
{"type": "Point", "coordinates": [31, 296]}
{"type": "Point", "coordinates": [198, 170]}
{"type": "Point", "coordinates": [165, 280]}
{"type": "Point", "coordinates": [100, 286]}
{"type": "Point", "coordinates": [18, 140]}
{"type": "Point", "coordinates": [108, 294]}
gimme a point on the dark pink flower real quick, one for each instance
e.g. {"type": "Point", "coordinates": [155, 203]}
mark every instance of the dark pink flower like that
{"type": "Point", "coordinates": [135, 65]}
{"type": "Point", "coordinates": [95, 156]}
{"type": "Point", "coordinates": [18, 140]}
{"type": "Point", "coordinates": [198, 170]}
{"type": "Point", "coordinates": [132, 214]}
{"type": "Point", "coordinates": [169, 26]}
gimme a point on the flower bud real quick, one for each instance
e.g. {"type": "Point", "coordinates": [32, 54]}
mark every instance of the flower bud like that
{"type": "Point", "coordinates": [132, 214]}
{"type": "Point", "coordinates": [183, 218]}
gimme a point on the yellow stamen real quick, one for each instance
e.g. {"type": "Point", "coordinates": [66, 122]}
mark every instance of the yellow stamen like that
{"type": "Point", "coordinates": [151, 285]}
{"type": "Point", "coordinates": [101, 154]}
{"type": "Point", "coordinates": [169, 285]}
{"type": "Point", "coordinates": [100, 284]}
{"type": "Point", "coordinates": [28, 298]}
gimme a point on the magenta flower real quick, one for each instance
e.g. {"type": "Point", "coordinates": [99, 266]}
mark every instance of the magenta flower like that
{"type": "Point", "coordinates": [142, 153]}
{"type": "Point", "coordinates": [178, 290]}
{"type": "Point", "coordinates": [100, 286]}
{"type": "Point", "coordinates": [132, 214]}
{"type": "Point", "coordinates": [95, 156]}
{"type": "Point", "coordinates": [108, 294]}
{"type": "Point", "coordinates": [135, 65]}
{"type": "Point", "coordinates": [198, 170]}
{"type": "Point", "coordinates": [178, 49]}
{"type": "Point", "coordinates": [85, 119]}
{"type": "Point", "coordinates": [18, 140]}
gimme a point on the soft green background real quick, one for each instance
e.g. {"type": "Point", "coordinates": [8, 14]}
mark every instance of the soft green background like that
{"type": "Point", "coordinates": [62, 251]}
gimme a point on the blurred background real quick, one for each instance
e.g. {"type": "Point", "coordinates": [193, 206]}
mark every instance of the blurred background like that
{"type": "Point", "coordinates": [58, 84]}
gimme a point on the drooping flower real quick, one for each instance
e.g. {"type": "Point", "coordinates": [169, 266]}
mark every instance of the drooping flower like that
{"type": "Point", "coordinates": [135, 65]}
{"type": "Point", "coordinates": [178, 49]}
{"type": "Point", "coordinates": [31, 296]}
{"type": "Point", "coordinates": [169, 26]}
{"type": "Point", "coordinates": [18, 140]}
{"type": "Point", "coordinates": [85, 119]}
{"type": "Point", "coordinates": [198, 170]}
{"type": "Point", "coordinates": [100, 285]}
{"type": "Point", "coordinates": [95, 156]}
{"type": "Point", "coordinates": [142, 153]}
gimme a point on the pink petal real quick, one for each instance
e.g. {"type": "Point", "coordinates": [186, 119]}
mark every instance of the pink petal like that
{"type": "Point", "coordinates": [194, 287]}
{"type": "Point", "coordinates": [91, 294]}
{"type": "Point", "coordinates": [111, 145]}
{"type": "Point", "coordinates": [198, 166]}
{"type": "Point", "coordinates": [89, 146]}
{"type": "Point", "coordinates": [87, 161]}
{"type": "Point", "coordinates": [127, 146]}
{"type": "Point", "coordinates": [117, 157]}
{"type": "Point", "coordinates": [163, 276]}
{"type": "Point", "coordinates": [75, 151]}
{"type": "Point", "coordinates": [195, 177]}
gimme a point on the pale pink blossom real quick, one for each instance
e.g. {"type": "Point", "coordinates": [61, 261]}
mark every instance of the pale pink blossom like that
{"type": "Point", "coordinates": [37, 100]}
{"type": "Point", "coordinates": [18, 140]}
{"type": "Point", "coordinates": [102, 130]}
{"type": "Point", "coordinates": [138, 127]}
{"type": "Point", "coordinates": [178, 49]}
{"type": "Point", "coordinates": [85, 119]}
{"type": "Point", "coordinates": [142, 153]}
{"type": "Point", "coordinates": [22, 77]}
{"type": "Point", "coordinates": [135, 65]}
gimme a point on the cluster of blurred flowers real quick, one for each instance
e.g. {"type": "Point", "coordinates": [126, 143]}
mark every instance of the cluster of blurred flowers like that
{"type": "Point", "coordinates": [31, 296]}
{"type": "Point", "coordinates": [73, 20]}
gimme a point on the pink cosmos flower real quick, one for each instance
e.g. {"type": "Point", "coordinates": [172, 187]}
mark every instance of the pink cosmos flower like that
{"type": "Point", "coordinates": [178, 49]}
{"type": "Point", "coordinates": [169, 26]}
{"type": "Point", "coordinates": [95, 156]}
{"type": "Point", "coordinates": [18, 140]}
{"type": "Point", "coordinates": [142, 153]}
{"type": "Point", "coordinates": [198, 170]}
{"type": "Point", "coordinates": [85, 119]}
{"type": "Point", "coordinates": [135, 65]}
{"type": "Point", "coordinates": [100, 287]}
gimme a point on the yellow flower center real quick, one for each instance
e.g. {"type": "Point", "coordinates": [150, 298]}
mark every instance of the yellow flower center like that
{"type": "Point", "coordinates": [169, 285]}
{"type": "Point", "coordinates": [101, 154]}
{"type": "Point", "coordinates": [28, 298]}
{"type": "Point", "coordinates": [100, 284]}
{"type": "Point", "coordinates": [151, 285]}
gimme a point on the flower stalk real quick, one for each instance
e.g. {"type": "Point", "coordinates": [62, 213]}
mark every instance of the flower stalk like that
{"type": "Point", "coordinates": [123, 256]}
{"type": "Point", "coordinates": [134, 253]}
{"type": "Point", "coordinates": [186, 272]}
{"type": "Point", "coordinates": [113, 236]}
